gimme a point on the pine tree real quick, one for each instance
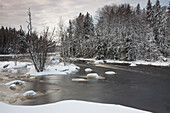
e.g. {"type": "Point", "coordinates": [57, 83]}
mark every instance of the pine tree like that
{"type": "Point", "coordinates": [149, 14]}
{"type": "Point", "coordinates": [156, 20]}
{"type": "Point", "coordinates": [88, 35]}
{"type": "Point", "coordinates": [79, 35]}
{"type": "Point", "coordinates": [88, 26]}
{"type": "Point", "coordinates": [138, 9]}
{"type": "Point", "coordinates": [162, 32]}
{"type": "Point", "coordinates": [168, 29]}
{"type": "Point", "coordinates": [152, 52]}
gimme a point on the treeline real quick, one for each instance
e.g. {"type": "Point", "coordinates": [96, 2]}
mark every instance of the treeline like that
{"type": "Point", "coordinates": [10, 41]}
{"type": "Point", "coordinates": [121, 32]}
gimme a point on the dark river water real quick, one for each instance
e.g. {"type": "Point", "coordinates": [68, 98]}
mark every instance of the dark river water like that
{"type": "Point", "coordinates": [142, 87]}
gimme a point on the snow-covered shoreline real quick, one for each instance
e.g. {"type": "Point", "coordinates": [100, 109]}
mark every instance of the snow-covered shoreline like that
{"type": "Point", "coordinates": [9, 66]}
{"type": "Point", "coordinates": [55, 69]}
{"type": "Point", "coordinates": [138, 62]}
{"type": "Point", "coordinates": [70, 106]}
{"type": "Point", "coordinates": [141, 62]}
{"type": "Point", "coordinates": [18, 55]}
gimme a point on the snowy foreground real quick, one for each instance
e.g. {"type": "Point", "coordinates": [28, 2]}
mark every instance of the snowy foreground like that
{"type": "Point", "coordinates": [69, 106]}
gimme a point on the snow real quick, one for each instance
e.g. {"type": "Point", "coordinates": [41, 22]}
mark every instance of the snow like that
{"type": "Point", "coordinates": [79, 80]}
{"type": "Point", "coordinates": [18, 55]}
{"type": "Point", "coordinates": [56, 69]}
{"type": "Point", "coordinates": [164, 62]}
{"type": "Point", "coordinates": [110, 73]}
{"type": "Point", "coordinates": [99, 62]}
{"type": "Point", "coordinates": [13, 55]}
{"type": "Point", "coordinates": [133, 64]}
{"type": "Point", "coordinates": [29, 93]}
{"type": "Point", "coordinates": [157, 63]}
{"type": "Point", "coordinates": [93, 75]}
{"type": "Point", "coordinates": [8, 55]}
{"type": "Point", "coordinates": [3, 69]}
{"type": "Point", "coordinates": [70, 106]}
{"type": "Point", "coordinates": [15, 82]}
{"type": "Point", "coordinates": [20, 65]}
{"type": "Point", "coordinates": [142, 62]}
{"type": "Point", "coordinates": [14, 71]}
{"type": "Point", "coordinates": [85, 59]}
{"type": "Point", "coordinates": [88, 70]}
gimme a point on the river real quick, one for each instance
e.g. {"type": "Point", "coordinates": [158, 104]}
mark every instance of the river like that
{"type": "Point", "coordinates": [142, 87]}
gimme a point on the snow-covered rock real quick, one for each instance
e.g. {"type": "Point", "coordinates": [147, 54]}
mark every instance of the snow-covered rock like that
{"type": "Point", "coordinates": [110, 73]}
{"type": "Point", "coordinates": [92, 75]}
{"type": "Point", "coordinates": [29, 93]}
{"type": "Point", "coordinates": [99, 62]}
{"type": "Point", "coordinates": [88, 70]}
{"type": "Point", "coordinates": [6, 65]}
{"type": "Point", "coordinates": [79, 80]}
{"type": "Point", "coordinates": [15, 82]}
{"type": "Point", "coordinates": [133, 64]}
{"type": "Point", "coordinates": [13, 86]}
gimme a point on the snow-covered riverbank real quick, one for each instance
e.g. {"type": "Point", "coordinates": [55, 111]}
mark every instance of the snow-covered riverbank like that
{"type": "Point", "coordinates": [54, 69]}
{"type": "Point", "coordinates": [138, 62]}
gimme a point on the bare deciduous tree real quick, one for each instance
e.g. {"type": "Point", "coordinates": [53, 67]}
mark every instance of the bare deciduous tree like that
{"type": "Point", "coordinates": [38, 47]}
{"type": "Point", "coordinates": [65, 43]}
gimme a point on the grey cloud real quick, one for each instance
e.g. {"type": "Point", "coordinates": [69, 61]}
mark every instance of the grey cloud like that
{"type": "Point", "coordinates": [47, 12]}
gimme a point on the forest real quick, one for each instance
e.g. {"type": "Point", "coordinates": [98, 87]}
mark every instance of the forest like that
{"type": "Point", "coordinates": [10, 42]}
{"type": "Point", "coordinates": [119, 32]}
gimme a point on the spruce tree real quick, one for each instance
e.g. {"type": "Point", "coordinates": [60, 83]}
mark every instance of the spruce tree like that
{"type": "Point", "coordinates": [138, 9]}
{"type": "Point", "coordinates": [149, 14]}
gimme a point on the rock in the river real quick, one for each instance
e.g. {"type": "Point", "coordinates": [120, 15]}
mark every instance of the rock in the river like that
{"type": "Point", "coordinates": [99, 62]}
{"type": "Point", "coordinates": [13, 86]}
{"type": "Point", "coordinates": [16, 82]}
{"type": "Point", "coordinates": [92, 75]}
{"type": "Point", "coordinates": [132, 64]}
{"type": "Point", "coordinates": [110, 73]}
{"type": "Point", "coordinates": [88, 70]}
{"type": "Point", "coordinates": [79, 80]}
{"type": "Point", "coordinates": [29, 94]}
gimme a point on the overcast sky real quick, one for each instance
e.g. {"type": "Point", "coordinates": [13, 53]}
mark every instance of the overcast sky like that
{"type": "Point", "coordinates": [47, 12]}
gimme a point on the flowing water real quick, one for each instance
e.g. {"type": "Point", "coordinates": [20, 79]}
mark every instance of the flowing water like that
{"type": "Point", "coordinates": [142, 87]}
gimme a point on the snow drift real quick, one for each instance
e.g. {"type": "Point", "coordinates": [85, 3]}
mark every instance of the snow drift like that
{"type": "Point", "coordinates": [70, 106]}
